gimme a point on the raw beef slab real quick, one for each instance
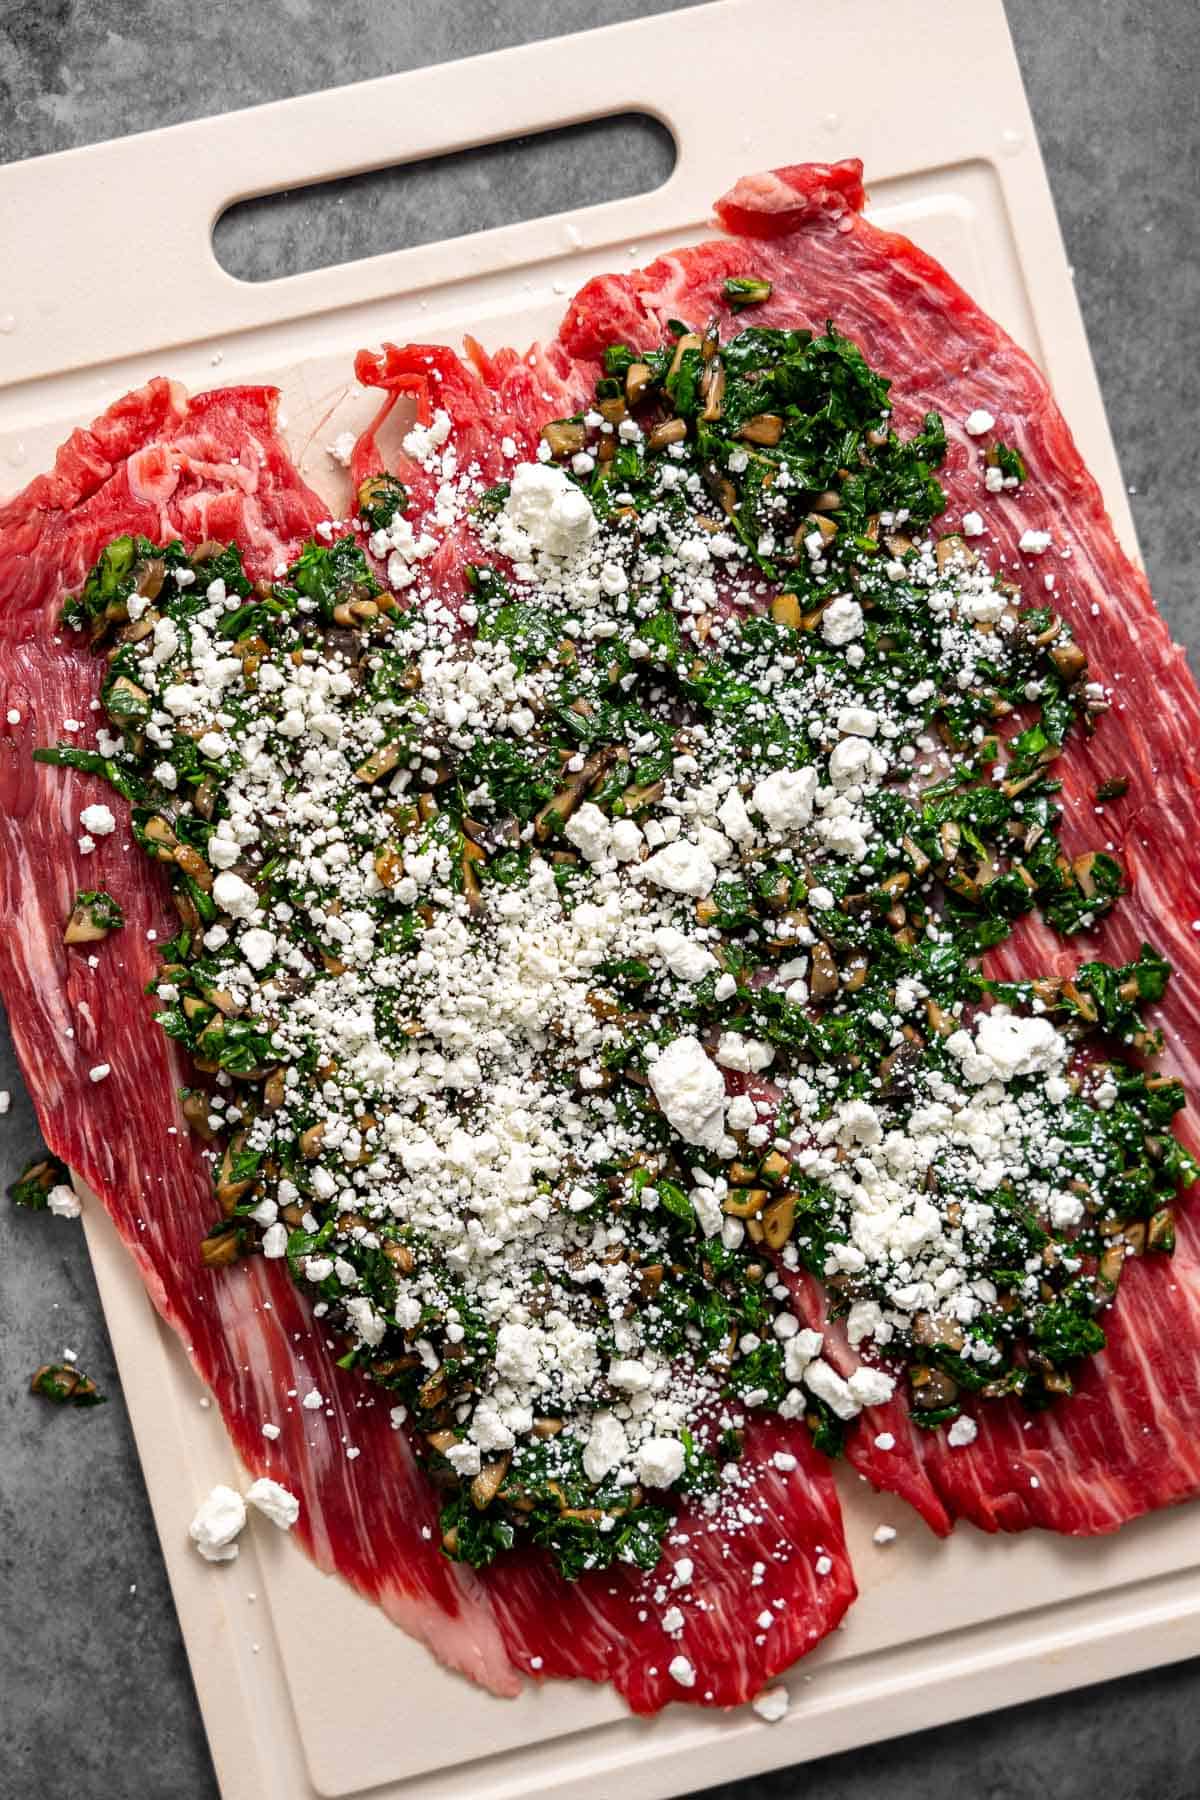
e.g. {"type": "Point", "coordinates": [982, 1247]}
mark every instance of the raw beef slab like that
{"type": "Point", "coordinates": [1130, 1440]}
{"type": "Point", "coordinates": [165, 466]}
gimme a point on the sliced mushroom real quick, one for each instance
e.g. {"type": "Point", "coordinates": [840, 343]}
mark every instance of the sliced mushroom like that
{"type": "Point", "coordinates": [823, 972]}
{"type": "Point", "coordinates": [487, 1483]}
{"type": "Point", "coordinates": [744, 1203]}
{"type": "Point", "coordinates": [194, 866]}
{"type": "Point", "coordinates": [1081, 869]}
{"type": "Point", "coordinates": [1069, 659]}
{"type": "Point", "coordinates": [778, 1219]}
{"type": "Point", "coordinates": [638, 377]}
{"type": "Point", "coordinates": [932, 1388]}
{"type": "Point", "coordinates": [220, 1248]}
{"type": "Point", "coordinates": [764, 428]}
{"type": "Point", "coordinates": [671, 431]}
{"type": "Point", "coordinates": [86, 924]}
{"type": "Point", "coordinates": [126, 701]}
{"type": "Point", "coordinates": [195, 1109]}
{"type": "Point", "coordinates": [1160, 1231]}
{"type": "Point", "coordinates": [311, 1139]}
{"type": "Point", "coordinates": [689, 340]}
{"type": "Point", "coordinates": [380, 762]}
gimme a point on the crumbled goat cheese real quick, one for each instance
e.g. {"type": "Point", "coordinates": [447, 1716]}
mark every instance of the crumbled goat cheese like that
{"type": "Point", "coordinates": [660, 1461]}
{"type": "Point", "coordinates": [274, 1501]}
{"type": "Point", "coordinates": [98, 820]}
{"type": "Point", "coordinates": [235, 896]}
{"type": "Point", "coordinates": [842, 621]}
{"type": "Point", "coordinates": [785, 799]}
{"type": "Point", "coordinates": [342, 448]}
{"type": "Point", "coordinates": [546, 512]}
{"type": "Point", "coordinates": [748, 1054]}
{"type": "Point", "coordinates": [63, 1202]}
{"type": "Point", "coordinates": [218, 1520]}
{"type": "Point", "coordinates": [691, 1091]}
{"type": "Point", "coordinates": [683, 868]}
{"type": "Point", "coordinates": [772, 1704]}
{"type": "Point", "coordinates": [683, 956]}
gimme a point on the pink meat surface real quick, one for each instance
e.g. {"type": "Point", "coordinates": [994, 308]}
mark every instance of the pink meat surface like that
{"type": "Point", "coordinates": [160, 464]}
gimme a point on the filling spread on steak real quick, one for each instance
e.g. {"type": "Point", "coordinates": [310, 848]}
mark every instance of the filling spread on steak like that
{"type": "Point", "coordinates": [573, 965]}
{"type": "Point", "coordinates": [649, 746]}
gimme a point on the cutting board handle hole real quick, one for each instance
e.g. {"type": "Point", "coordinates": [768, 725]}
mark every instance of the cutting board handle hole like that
{"type": "Point", "coordinates": [329, 222]}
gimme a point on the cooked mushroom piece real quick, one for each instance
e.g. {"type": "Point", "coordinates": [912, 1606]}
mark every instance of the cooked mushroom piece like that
{"type": "Point", "coordinates": [638, 377]}
{"type": "Point", "coordinates": [671, 431]}
{"type": "Point", "coordinates": [487, 1483]}
{"type": "Point", "coordinates": [127, 703]}
{"type": "Point", "coordinates": [763, 428]}
{"type": "Point", "coordinates": [220, 1248]}
{"type": "Point", "coordinates": [379, 762]}
{"type": "Point", "coordinates": [932, 1388]}
{"type": "Point", "coordinates": [778, 1219]}
{"type": "Point", "coordinates": [823, 972]}
{"type": "Point", "coordinates": [1069, 659]}
{"type": "Point", "coordinates": [380, 498]}
{"type": "Point", "coordinates": [712, 389]}
{"type": "Point", "coordinates": [66, 1385]}
{"type": "Point", "coordinates": [93, 916]}
{"type": "Point", "coordinates": [565, 437]}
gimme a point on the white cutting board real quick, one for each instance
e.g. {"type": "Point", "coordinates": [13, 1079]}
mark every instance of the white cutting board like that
{"type": "Point", "coordinates": [306, 1689]}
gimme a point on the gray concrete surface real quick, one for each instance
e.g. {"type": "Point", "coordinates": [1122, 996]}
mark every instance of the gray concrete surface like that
{"type": "Point", "coordinates": [95, 1696]}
